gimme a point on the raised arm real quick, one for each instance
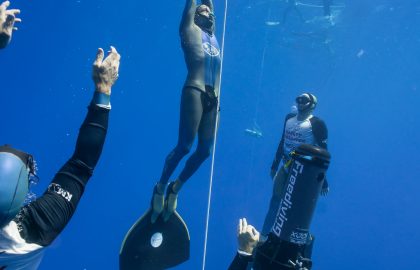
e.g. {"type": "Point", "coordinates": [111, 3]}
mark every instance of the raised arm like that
{"type": "Point", "coordinates": [42, 221]}
{"type": "Point", "coordinates": [187, 20]}
{"type": "Point", "coordinates": [7, 23]}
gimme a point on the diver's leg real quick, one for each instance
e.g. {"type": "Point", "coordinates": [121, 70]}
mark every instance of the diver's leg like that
{"type": "Point", "coordinates": [190, 115]}
{"type": "Point", "coordinates": [279, 182]}
{"type": "Point", "coordinates": [205, 143]}
{"type": "Point", "coordinates": [41, 221]}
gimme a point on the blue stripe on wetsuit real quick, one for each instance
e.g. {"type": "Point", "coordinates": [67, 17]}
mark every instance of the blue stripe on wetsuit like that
{"type": "Point", "coordinates": [211, 58]}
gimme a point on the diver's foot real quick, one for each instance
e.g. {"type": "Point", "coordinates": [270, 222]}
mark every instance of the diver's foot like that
{"type": "Point", "coordinates": [171, 201]}
{"type": "Point", "coordinates": [158, 201]}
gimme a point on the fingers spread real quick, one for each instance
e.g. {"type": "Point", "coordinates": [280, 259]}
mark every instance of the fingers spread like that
{"type": "Point", "coordinates": [99, 57]}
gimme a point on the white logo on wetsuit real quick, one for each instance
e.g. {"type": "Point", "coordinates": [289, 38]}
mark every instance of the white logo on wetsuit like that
{"type": "Point", "coordinates": [210, 49]}
{"type": "Point", "coordinates": [60, 191]}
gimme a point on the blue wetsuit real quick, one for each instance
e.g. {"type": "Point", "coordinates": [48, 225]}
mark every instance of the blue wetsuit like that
{"type": "Point", "coordinates": [199, 100]}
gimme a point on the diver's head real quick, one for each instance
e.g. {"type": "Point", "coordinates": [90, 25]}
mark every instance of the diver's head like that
{"type": "Point", "coordinates": [16, 170]}
{"type": "Point", "coordinates": [204, 18]}
{"type": "Point", "coordinates": [306, 103]}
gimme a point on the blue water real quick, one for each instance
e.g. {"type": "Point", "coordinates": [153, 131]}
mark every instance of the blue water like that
{"type": "Point", "coordinates": [366, 78]}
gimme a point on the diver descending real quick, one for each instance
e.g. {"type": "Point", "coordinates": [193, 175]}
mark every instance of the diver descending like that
{"type": "Point", "coordinates": [7, 23]}
{"type": "Point", "coordinates": [199, 103]}
{"type": "Point", "coordinates": [300, 128]}
{"type": "Point", "coordinates": [25, 231]}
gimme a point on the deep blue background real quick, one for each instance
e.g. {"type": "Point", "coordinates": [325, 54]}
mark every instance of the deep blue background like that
{"type": "Point", "coordinates": [369, 101]}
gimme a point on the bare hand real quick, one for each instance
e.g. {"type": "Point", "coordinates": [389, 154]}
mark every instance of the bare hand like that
{"type": "Point", "coordinates": [105, 72]}
{"type": "Point", "coordinates": [7, 23]}
{"type": "Point", "coordinates": [248, 236]}
{"type": "Point", "coordinates": [325, 188]}
{"type": "Point", "coordinates": [324, 191]}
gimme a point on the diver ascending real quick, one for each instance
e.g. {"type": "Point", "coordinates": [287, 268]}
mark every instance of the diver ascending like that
{"type": "Point", "coordinates": [199, 103]}
{"type": "Point", "coordinates": [300, 128]}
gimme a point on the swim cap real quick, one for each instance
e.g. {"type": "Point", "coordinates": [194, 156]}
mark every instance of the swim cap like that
{"type": "Point", "coordinates": [306, 101]}
{"type": "Point", "coordinates": [16, 168]}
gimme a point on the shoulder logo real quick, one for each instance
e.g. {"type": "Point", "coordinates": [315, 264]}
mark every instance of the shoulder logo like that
{"type": "Point", "coordinates": [210, 49]}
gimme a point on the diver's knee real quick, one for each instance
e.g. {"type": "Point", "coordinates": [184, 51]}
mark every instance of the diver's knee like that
{"type": "Point", "coordinates": [183, 149]}
{"type": "Point", "coordinates": [204, 153]}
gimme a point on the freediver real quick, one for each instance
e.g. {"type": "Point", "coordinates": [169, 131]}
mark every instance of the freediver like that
{"type": "Point", "coordinates": [26, 230]}
{"type": "Point", "coordinates": [7, 23]}
{"type": "Point", "coordinates": [199, 103]}
{"type": "Point", "coordinates": [288, 244]}
{"type": "Point", "coordinates": [300, 128]}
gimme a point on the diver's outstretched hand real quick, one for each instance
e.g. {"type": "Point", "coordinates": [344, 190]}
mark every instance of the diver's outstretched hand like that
{"type": "Point", "coordinates": [105, 72]}
{"type": "Point", "coordinates": [325, 188]}
{"type": "Point", "coordinates": [7, 23]}
{"type": "Point", "coordinates": [248, 236]}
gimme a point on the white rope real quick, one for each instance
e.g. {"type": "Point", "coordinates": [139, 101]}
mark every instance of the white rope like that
{"type": "Point", "coordinates": [215, 140]}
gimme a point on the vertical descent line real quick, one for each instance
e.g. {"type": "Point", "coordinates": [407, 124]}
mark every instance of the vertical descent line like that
{"type": "Point", "coordinates": [215, 139]}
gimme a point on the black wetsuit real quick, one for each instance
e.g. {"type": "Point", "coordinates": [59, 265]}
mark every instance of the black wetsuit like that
{"type": "Point", "coordinates": [41, 221]}
{"type": "Point", "coordinates": [199, 101]}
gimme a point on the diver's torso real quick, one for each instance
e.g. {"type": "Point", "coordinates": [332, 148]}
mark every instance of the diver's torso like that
{"type": "Point", "coordinates": [202, 56]}
{"type": "Point", "coordinates": [15, 253]}
{"type": "Point", "coordinates": [296, 133]}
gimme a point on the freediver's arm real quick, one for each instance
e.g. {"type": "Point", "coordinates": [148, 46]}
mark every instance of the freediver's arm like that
{"type": "Point", "coordinates": [248, 238]}
{"type": "Point", "coordinates": [320, 131]}
{"type": "Point", "coordinates": [187, 20]}
{"type": "Point", "coordinates": [7, 23]}
{"type": "Point", "coordinates": [41, 221]}
{"type": "Point", "coordinates": [240, 262]}
{"type": "Point", "coordinates": [280, 149]}
{"type": "Point", "coordinates": [277, 157]}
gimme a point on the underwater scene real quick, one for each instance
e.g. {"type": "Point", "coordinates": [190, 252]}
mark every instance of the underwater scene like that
{"type": "Point", "coordinates": [209, 134]}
